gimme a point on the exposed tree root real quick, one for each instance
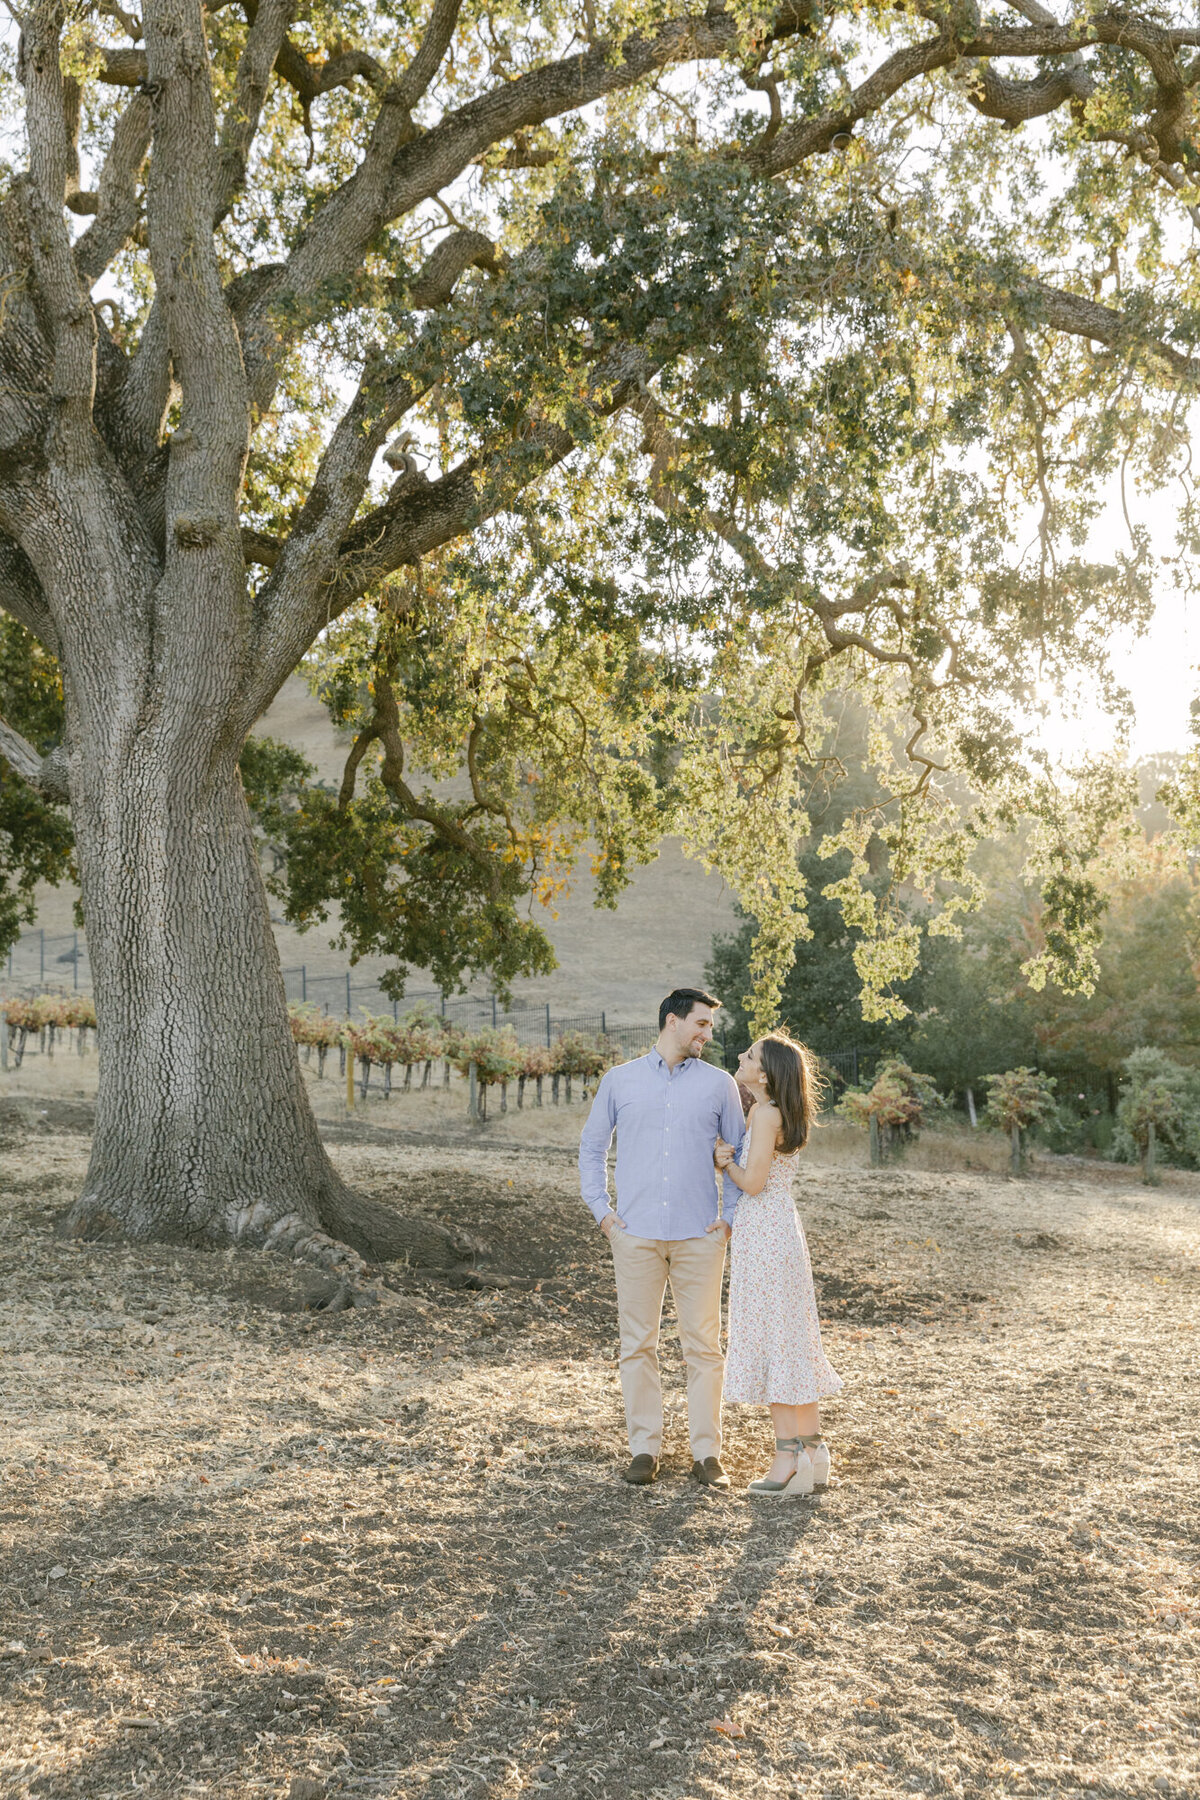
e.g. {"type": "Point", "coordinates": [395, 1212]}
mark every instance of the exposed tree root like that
{"type": "Point", "coordinates": [348, 1240]}
{"type": "Point", "coordinates": [381, 1234]}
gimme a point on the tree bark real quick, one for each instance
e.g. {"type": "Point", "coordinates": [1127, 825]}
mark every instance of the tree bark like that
{"type": "Point", "coordinates": [204, 1134]}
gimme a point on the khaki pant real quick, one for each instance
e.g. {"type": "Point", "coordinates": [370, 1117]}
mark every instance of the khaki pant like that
{"type": "Point", "coordinates": [694, 1266]}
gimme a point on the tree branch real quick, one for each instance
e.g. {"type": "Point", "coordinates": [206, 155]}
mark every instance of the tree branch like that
{"type": "Point", "coordinates": [386, 727]}
{"type": "Point", "coordinates": [21, 594]}
{"type": "Point", "coordinates": [48, 774]}
{"type": "Point", "coordinates": [207, 453]}
{"type": "Point", "coordinates": [807, 137]}
{"type": "Point", "coordinates": [383, 728]}
{"type": "Point", "coordinates": [295, 600]}
{"type": "Point", "coordinates": [433, 46]}
{"type": "Point", "coordinates": [270, 22]}
{"type": "Point", "coordinates": [1072, 313]}
{"type": "Point", "coordinates": [69, 311]}
{"type": "Point", "coordinates": [124, 68]}
{"type": "Point", "coordinates": [116, 194]}
{"type": "Point", "coordinates": [461, 250]}
{"type": "Point", "coordinates": [132, 422]}
{"type": "Point", "coordinates": [311, 80]}
{"type": "Point", "coordinates": [1017, 101]}
{"type": "Point", "coordinates": [399, 172]}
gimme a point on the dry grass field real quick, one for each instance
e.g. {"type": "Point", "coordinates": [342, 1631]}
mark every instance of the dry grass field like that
{"type": "Point", "coordinates": [253, 1549]}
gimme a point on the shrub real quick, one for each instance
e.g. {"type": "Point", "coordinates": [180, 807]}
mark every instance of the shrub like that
{"type": "Point", "coordinates": [48, 1014]}
{"type": "Point", "coordinates": [1020, 1097]}
{"type": "Point", "coordinates": [578, 1054]}
{"type": "Point", "coordinates": [81, 1012]}
{"type": "Point", "coordinates": [898, 1098]}
{"type": "Point", "coordinates": [536, 1061]}
{"type": "Point", "coordinates": [1165, 1094]}
{"type": "Point", "coordinates": [495, 1053]}
{"type": "Point", "coordinates": [897, 1101]}
{"type": "Point", "coordinates": [1017, 1100]}
{"type": "Point", "coordinates": [312, 1027]}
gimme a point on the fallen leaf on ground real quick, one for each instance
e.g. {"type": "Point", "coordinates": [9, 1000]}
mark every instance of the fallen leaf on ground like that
{"type": "Point", "coordinates": [727, 1727]}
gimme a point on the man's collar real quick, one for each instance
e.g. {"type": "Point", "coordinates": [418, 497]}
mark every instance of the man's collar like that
{"type": "Point", "coordinates": [660, 1062]}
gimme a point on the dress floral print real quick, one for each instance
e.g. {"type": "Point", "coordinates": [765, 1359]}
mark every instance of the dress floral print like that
{"type": "Point", "coordinates": [774, 1355]}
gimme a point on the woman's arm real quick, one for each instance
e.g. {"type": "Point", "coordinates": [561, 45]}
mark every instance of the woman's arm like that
{"type": "Point", "coordinates": [764, 1130]}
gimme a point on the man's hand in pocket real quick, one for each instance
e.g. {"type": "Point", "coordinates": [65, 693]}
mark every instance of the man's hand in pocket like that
{"type": "Point", "coordinates": [610, 1223]}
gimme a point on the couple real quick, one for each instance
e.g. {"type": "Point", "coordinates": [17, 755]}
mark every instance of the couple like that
{"type": "Point", "coordinates": [678, 1122]}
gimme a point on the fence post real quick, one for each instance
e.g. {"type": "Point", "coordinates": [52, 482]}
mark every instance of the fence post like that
{"type": "Point", "coordinates": [349, 1078]}
{"type": "Point", "coordinates": [854, 1062]}
{"type": "Point", "coordinates": [3, 1040]}
{"type": "Point", "coordinates": [472, 1094]}
{"type": "Point", "coordinates": [304, 982]}
{"type": "Point", "coordinates": [547, 1025]}
{"type": "Point", "coordinates": [349, 1007]}
{"type": "Point", "coordinates": [493, 1012]}
{"type": "Point", "coordinates": [876, 1147]}
{"type": "Point", "coordinates": [603, 1026]}
{"type": "Point", "coordinates": [75, 963]}
{"type": "Point", "coordinates": [42, 947]}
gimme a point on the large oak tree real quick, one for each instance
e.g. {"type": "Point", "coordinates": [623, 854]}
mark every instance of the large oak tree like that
{"type": "Point", "coordinates": [746, 343]}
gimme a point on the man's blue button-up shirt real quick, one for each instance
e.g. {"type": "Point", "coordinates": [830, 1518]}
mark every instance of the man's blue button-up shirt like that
{"type": "Point", "coordinates": [666, 1121]}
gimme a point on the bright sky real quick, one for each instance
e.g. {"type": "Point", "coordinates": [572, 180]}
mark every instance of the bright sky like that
{"type": "Point", "coordinates": [1161, 667]}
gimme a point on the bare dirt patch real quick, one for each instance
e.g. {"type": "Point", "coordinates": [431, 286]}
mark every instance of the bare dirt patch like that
{"type": "Point", "coordinates": [385, 1552]}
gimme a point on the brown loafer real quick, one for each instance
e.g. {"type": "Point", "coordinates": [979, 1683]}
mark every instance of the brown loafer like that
{"type": "Point", "coordinates": [710, 1472]}
{"type": "Point", "coordinates": [641, 1471]}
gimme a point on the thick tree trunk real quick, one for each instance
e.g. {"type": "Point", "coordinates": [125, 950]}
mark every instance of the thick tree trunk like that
{"type": "Point", "coordinates": [204, 1134]}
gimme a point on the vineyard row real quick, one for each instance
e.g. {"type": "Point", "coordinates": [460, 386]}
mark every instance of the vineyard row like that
{"type": "Point", "coordinates": [488, 1057]}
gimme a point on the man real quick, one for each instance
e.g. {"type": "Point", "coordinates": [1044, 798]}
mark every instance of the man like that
{"type": "Point", "coordinates": [668, 1109]}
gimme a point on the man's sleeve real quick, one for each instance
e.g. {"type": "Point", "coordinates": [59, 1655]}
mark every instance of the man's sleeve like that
{"type": "Point", "coordinates": [733, 1130]}
{"type": "Point", "coordinates": [593, 1149]}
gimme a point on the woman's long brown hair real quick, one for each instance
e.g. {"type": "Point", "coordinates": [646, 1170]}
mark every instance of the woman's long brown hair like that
{"type": "Point", "coordinates": [793, 1085]}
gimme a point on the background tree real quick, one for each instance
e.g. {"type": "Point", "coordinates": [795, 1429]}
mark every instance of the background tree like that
{"type": "Point", "coordinates": [1159, 1113]}
{"type": "Point", "coordinates": [679, 288]}
{"type": "Point", "coordinates": [35, 834]}
{"type": "Point", "coordinates": [1018, 1100]}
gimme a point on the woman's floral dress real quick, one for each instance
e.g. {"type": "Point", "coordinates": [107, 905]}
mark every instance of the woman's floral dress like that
{"type": "Point", "coordinates": [774, 1354]}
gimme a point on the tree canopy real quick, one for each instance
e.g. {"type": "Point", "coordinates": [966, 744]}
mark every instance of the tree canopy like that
{"type": "Point", "coordinates": [597, 392]}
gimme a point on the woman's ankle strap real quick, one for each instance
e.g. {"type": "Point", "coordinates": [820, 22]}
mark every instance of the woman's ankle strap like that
{"type": "Point", "coordinates": [788, 1443]}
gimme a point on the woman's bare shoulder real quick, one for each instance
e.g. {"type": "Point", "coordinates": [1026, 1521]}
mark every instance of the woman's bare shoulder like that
{"type": "Point", "coordinates": [767, 1114]}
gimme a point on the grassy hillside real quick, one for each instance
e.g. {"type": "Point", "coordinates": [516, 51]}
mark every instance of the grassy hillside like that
{"type": "Point", "coordinates": [621, 961]}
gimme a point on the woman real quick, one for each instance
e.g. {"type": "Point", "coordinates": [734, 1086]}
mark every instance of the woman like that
{"type": "Point", "coordinates": [774, 1356]}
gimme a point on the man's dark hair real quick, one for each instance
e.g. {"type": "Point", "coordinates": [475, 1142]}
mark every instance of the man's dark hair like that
{"type": "Point", "coordinates": [681, 1001]}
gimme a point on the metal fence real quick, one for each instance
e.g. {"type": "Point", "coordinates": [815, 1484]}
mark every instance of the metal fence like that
{"type": "Point", "coordinates": [50, 959]}
{"type": "Point", "coordinates": [59, 961]}
{"type": "Point", "coordinates": [850, 1067]}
